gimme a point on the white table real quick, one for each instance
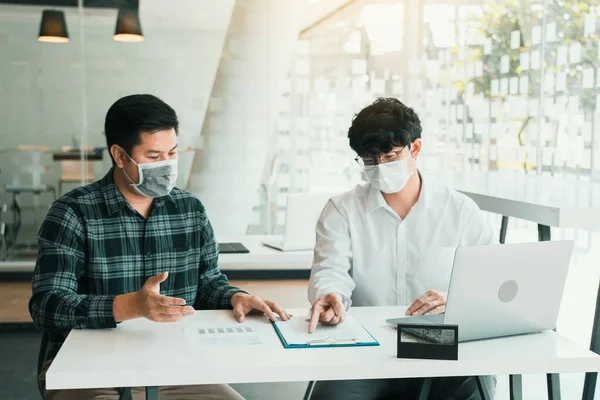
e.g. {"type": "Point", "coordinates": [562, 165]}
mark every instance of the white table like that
{"type": "Point", "coordinates": [263, 261]}
{"type": "Point", "coordinates": [547, 201]}
{"type": "Point", "coordinates": [143, 353]}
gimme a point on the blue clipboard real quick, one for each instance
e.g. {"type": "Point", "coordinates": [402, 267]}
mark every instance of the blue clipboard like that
{"type": "Point", "coordinates": [329, 342]}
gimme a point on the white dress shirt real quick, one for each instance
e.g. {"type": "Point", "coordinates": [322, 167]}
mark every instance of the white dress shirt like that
{"type": "Point", "coordinates": [372, 257]}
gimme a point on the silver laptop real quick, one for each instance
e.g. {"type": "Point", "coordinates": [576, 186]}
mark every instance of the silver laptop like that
{"type": "Point", "coordinates": [502, 290]}
{"type": "Point", "coordinates": [301, 215]}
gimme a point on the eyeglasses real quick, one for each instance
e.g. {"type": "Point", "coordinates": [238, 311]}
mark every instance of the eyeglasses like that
{"type": "Point", "coordinates": [390, 158]}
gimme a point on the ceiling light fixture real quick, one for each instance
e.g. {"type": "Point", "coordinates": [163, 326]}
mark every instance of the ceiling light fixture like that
{"type": "Point", "coordinates": [128, 27]}
{"type": "Point", "coordinates": [53, 28]}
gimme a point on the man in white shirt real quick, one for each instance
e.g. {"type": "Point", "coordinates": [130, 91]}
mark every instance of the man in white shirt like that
{"type": "Point", "coordinates": [391, 242]}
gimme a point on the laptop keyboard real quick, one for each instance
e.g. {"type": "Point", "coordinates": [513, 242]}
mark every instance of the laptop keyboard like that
{"type": "Point", "coordinates": [435, 319]}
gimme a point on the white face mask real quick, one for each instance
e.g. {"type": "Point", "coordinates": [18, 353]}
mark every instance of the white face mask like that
{"type": "Point", "coordinates": [389, 177]}
{"type": "Point", "coordinates": [157, 178]}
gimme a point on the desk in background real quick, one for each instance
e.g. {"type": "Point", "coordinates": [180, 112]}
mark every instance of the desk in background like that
{"type": "Point", "coordinates": [263, 262]}
{"type": "Point", "coordinates": [127, 356]}
{"type": "Point", "coordinates": [76, 155]}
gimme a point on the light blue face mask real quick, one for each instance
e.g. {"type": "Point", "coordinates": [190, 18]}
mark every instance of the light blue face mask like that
{"type": "Point", "coordinates": [157, 178]}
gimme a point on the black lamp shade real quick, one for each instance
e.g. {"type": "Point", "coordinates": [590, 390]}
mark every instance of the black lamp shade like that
{"type": "Point", "coordinates": [128, 27]}
{"type": "Point", "coordinates": [53, 27]}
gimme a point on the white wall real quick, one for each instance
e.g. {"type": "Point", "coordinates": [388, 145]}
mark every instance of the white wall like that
{"type": "Point", "coordinates": [256, 59]}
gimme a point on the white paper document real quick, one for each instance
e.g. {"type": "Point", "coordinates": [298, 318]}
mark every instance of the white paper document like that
{"type": "Point", "coordinates": [504, 64]}
{"type": "Point", "coordinates": [524, 84]}
{"type": "Point", "coordinates": [515, 39]}
{"type": "Point", "coordinates": [575, 53]}
{"type": "Point", "coordinates": [551, 32]}
{"type": "Point", "coordinates": [295, 332]}
{"type": "Point", "coordinates": [228, 334]}
{"type": "Point", "coordinates": [524, 61]}
{"type": "Point", "coordinates": [588, 78]}
{"type": "Point", "coordinates": [561, 82]}
{"type": "Point", "coordinates": [495, 87]}
{"type": "Point", "coordinates": [536, 35]}
{"type": "Point", "coordinates": [561, 55]}
{"type": "Point", "coordinates": [514, 85]}
{"type": "Point", "coordinates": [589, 26]}
{"type": "Point", "coordinates": [487, 46]}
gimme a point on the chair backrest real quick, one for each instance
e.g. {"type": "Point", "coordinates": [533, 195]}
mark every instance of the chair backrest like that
{"type": "Point", "coordinates": [71, 169]}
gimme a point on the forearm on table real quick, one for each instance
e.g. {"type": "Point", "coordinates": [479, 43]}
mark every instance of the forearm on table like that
{"type": "Point", "coordinates": [216, 294]}
{"type": "Point", "coordinates": [125, 307]}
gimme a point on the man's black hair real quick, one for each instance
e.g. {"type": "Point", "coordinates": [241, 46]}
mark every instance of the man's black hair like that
{"type": "Point", "coordinates": [132, 115]}
{"type": "Point", "coordinates": [385, 124]}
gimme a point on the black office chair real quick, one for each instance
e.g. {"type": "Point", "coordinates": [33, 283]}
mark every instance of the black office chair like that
{"type": "Point", "coordinates": [481, 385]}
{"type": "Point", "coordinates": [124, 393]}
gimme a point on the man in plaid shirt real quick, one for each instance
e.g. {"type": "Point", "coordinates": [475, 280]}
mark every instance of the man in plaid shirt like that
{"type": "Point", "coordinates": [132, 245]}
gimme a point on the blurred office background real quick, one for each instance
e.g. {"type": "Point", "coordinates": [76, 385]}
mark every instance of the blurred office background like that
{"type": "Point", "coordinates": [266, 90]}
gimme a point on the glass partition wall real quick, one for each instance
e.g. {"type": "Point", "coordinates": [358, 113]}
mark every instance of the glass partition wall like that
{"type": "Point", "coordinates": [509, 85]}
{"type": "Point", "coordinates": [62, 66]}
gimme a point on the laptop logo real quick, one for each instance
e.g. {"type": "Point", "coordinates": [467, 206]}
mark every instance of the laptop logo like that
{"type": "Point", "coordinates": [508, 291]}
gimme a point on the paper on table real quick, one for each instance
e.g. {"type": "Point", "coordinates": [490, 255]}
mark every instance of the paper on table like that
{"type": "Point", "coordinates": [295, 331]}
{"type": "Point", "coordinates": [228, 334]}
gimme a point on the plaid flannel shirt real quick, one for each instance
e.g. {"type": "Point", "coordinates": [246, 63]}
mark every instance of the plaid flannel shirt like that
{"type": "Point", "coordinates": [94, 246]}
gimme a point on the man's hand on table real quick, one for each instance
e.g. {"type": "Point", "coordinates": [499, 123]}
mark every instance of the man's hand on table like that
{"type": "Point", "coordinates": [149, 303]}
{"type": "Point", "coordinates": [432, 302]}
{"type": "Point", "coordinates": [243, 304]}
{"type": "Point", "coordinates": [329, 310]}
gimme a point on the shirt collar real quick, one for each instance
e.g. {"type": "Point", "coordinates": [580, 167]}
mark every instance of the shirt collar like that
{"type": "Point", "coordinates": [115, 201]}
{"type": "Point", "coordinates": [375, 199]}
{"type": "Point", "coordinates": [427, 197]}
